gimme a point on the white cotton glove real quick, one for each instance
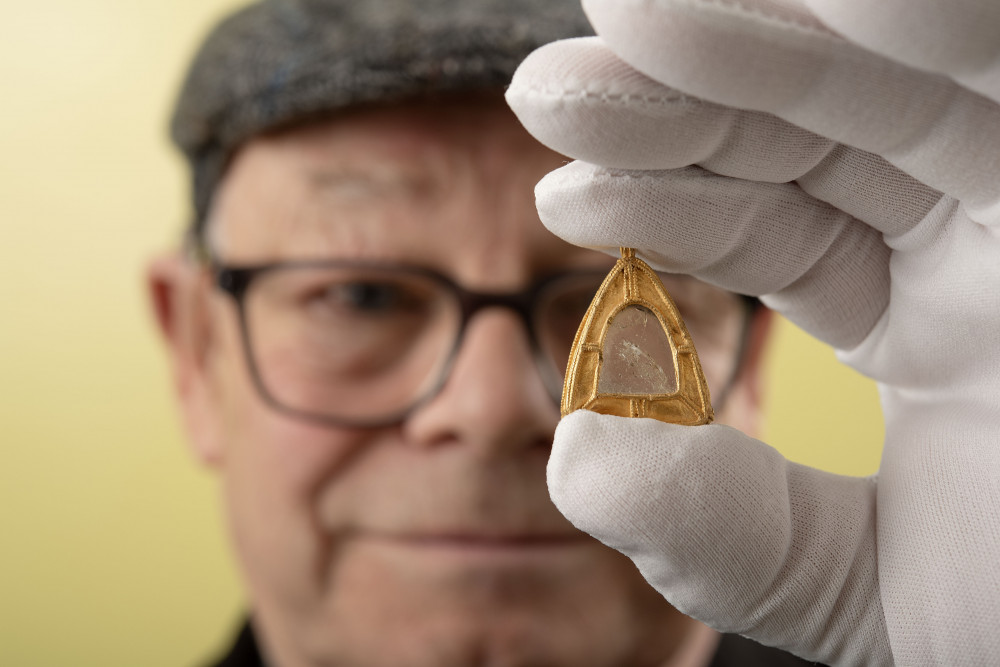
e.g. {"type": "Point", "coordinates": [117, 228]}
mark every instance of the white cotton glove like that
{"type": "Point", "coordinates": [842, 159]}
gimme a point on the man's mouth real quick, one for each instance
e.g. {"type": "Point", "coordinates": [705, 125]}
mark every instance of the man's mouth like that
{"type": "Point", "coordinates": [449, 546]}
{"type": "Point", "coordinates": [459, 540]}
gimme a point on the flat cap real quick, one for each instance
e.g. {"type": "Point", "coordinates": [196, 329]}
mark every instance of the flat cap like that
{"type": "Point", "coordinates": [282, 62]}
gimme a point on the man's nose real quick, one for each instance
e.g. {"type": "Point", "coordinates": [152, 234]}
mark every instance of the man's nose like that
{"type": "Point", "coordinates": [494, 398]}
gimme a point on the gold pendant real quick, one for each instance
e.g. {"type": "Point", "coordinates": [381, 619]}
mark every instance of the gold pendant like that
{"type": "Point", "coordinates": [633, 356]}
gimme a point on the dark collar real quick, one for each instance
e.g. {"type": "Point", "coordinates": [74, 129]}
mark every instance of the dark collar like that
{"type": "Point", "coordinates": [244, 652]}
{"type": "Point", "coordinates": [733, 651]}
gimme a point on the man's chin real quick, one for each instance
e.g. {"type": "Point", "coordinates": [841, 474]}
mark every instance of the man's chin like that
{"type": "Point", "coordinates": [444, 600]}
{"type": "Point", "coordinates": [472, 628]}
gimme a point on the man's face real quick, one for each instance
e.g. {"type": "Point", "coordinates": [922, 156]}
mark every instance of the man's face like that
{"type": "Point", "coordinates": [432, 541]}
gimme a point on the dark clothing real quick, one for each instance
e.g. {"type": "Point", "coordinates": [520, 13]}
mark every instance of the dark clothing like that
{"type": "Point", "coordinates": [736, 651]}
{"type": "Point", "coordinates": [733, 651]}
{"type": "Point", "coordinates": [244, 652]}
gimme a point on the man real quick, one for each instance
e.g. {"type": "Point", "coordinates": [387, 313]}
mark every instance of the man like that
{"type": "Point", "coordinates": [368, 339]}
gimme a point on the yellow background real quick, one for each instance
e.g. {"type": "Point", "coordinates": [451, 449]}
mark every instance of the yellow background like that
{"type": "Point", "coordinates": [112, 549]}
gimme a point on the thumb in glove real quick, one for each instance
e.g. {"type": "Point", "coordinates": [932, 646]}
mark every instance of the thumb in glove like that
{"type": "Point", "coordinates": [731, 531]}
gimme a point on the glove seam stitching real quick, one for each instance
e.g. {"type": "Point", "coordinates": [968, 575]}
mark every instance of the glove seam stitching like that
{"type": "Point", "coordinates": [778, 21]}
{"type": "Point", "coordinates": [621, 98]}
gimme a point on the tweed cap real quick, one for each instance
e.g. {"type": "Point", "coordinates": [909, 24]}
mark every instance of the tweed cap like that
{"type": "Point", "coordinates": [281, 62]}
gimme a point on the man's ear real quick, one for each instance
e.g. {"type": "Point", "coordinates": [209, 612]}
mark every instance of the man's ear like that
{"type": "Point", "coordinates": [178, 292]}
{"type": "Point", "coordinates": [745, 404]}
{"type": "Point", "coordinates": [761, 325]}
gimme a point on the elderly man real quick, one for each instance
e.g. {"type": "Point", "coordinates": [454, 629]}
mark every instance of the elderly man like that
{"type": "Point", "coordinates": [368, 335]}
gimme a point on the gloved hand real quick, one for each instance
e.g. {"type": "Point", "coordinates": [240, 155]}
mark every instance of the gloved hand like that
{"type": "Point", "coordinates": [841, 158]}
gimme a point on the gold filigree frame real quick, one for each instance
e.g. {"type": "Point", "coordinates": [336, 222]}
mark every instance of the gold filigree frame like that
{"type": "Point", "coordinates": [632, 282]}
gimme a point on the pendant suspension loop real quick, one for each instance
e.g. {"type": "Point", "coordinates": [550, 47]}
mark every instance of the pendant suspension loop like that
{"type": "Point", "coordinates": [627, 253]}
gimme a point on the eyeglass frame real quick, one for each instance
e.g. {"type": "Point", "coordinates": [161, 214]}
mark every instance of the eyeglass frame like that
{"type": "Point", "coordinates": [235, 281]}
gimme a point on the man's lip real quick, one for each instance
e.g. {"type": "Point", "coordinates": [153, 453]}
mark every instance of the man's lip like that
{"type": "Point", "coordinates": [455, 551]}
{"type": "Point", "coordinates": [485, 540]}
{"type": "Point", "coordinates": [480, 542]}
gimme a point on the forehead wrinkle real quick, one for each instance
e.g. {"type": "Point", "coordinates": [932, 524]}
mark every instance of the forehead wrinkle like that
{"type": "Point", "coordinates": [415, 191]}
{"type": "Point", "coordinates": [500, 197]}
{"type": "Point", "coordinates": [394, 189]}
{"type": "Point", "coordinates": [349, 213]}
{"type": "Point", "coordinates": [359, 196]}
{"type": "Point", "coordinates": [375, 218]}
{"type": "Point", "coordinates": [319, 230]}
{"type": "Point", "coordinates": [377, 182]}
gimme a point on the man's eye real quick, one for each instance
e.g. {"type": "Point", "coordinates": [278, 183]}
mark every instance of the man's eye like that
{"type": "Point", "coordinates": [369, 297]}
{"type": "Point", "coordinates": [372, 298]}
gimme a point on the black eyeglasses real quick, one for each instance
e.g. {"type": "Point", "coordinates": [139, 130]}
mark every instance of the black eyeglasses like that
{"type": "Point", "coordinates": [362, 344]}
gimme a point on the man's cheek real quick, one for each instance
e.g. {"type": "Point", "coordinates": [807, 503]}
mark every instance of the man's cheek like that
{"type": "Point", "coordinates": [276, 471]}
{"type": "Point", "coordinates": [275, 539]}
